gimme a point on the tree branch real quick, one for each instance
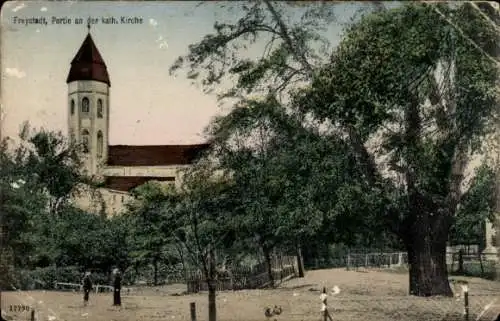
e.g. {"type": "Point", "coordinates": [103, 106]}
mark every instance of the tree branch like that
{"type": "Point", "coordinates": [288, 40]}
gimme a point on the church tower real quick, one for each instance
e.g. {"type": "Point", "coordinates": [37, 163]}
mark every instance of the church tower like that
{"type": "Point", "coordinates": [88, 104]}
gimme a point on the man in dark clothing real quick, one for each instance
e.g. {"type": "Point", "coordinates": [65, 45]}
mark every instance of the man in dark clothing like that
{"type": "Point", "coordinates": [117, 285]}
{"type": "Point", "coordinates": [87, 287]}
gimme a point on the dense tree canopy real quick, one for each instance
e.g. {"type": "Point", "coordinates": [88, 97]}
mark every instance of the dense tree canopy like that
{"type": "Point", "coordinates": [399, 92]}
{"type": "Point", "coordinates": [40, 225]}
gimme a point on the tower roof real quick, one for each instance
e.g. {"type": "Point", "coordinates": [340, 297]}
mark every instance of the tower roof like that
{"type": "Point", "coordinates": [88, 64]}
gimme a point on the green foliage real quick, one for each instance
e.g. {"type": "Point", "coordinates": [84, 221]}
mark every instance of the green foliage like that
{"type": "Point", "coordinates": [51, 165]}
{"type": "Point", "coordinates": [42, 229]}
{"type": "Point", "coordinates": [45, 278]}
{"type": "Point", "coordinates": [76, 238]}
{"type": "Point", "coordinates": [288, 191]}
{"type": "Point", "coordinates": [477, 206]}
{"type": "Point", "coordinates": [18, 202]}
{"type": "Point", "coordinates": [204, 212]}
{"type": "Point", "coordinates": [397, 91]}
{"type": "Point", "coordinates": [379, 72]}
{"type": "Point", "coordinates": [486, 270]}
{"type": "Point", "coordinates": [145, 219]}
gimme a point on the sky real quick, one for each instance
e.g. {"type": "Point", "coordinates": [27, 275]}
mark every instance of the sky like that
{"type": "Point", "coordinates": [147, 105]}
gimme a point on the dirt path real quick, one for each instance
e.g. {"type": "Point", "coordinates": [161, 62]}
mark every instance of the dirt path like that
{"type": "Point", "coordinates": [364, 296]}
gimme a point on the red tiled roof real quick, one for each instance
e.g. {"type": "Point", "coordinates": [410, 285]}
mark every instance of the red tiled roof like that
{"type": "Point", "coordinates": [88, 64]}
{"type": "Point", "coordinates": [127, 183]}
{"type": "Point", "coordinates": [154, 155]}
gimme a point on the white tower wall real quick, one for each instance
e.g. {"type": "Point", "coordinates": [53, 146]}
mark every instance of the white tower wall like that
{"type": "Point", "coordinates": [80, 121]}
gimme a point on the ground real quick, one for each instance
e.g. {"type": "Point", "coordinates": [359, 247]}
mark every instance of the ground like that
{"type": "Point", "coordinates": [364, 295]}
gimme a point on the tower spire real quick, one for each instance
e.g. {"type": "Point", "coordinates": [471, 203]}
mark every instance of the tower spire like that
{"type": "Point", "coordinates": [88, 26]}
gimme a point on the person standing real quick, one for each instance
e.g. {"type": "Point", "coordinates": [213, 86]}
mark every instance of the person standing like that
{"type": "Point", "coordinates": [117, 286]}
{"type": "Point", "coordinates": [87, 287]}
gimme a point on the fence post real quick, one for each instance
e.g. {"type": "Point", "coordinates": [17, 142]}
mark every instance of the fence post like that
{"type": "Point", "coordinates": [465, 290]}
{"type": "Point", "coordinates": [324, 307]}
{"type": "Point", "coordinates": [366, 260]}
{"type": "Point", "coordinates": [323, 297]}
{"type": "Point", "coordinates": [192, 308]}
{"type": "Point", "coordinates": [348, 261]}
{"type": "Point", "coordinates": [460, 261]}
{"type": "Point", "coordinates": [32, 315]}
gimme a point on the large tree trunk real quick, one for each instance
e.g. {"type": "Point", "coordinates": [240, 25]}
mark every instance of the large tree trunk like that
{"type": "Point", "coordinates": [425, 230]}
{"type": "Point", "coordinates": [426, 246]}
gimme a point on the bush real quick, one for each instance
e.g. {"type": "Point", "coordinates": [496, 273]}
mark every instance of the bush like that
{"type": "Point", "coordinates": [473, 269]}
{"type": "Point", "coordinates": [45, 278]}
{"type": "Point", "coordinates": [166, 274]}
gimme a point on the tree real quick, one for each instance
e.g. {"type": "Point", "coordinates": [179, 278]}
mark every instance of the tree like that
{"type": "Point", "coordinates": [146, 216]}
{"type": "Point", "coordinates": [199, 216]}
{"type": "Point", "coordinates": [476, 206]}
{"type": "Point", "coordinates": [416, 88]}
{"type": "Point", "coordinates": [372, 89]}
{"type": "Point", "coordinates": [53, 164]}
{"type": "Point", "coordinates": [19, 202]}
{"type": "Point", "coordinates": [288, 191]}
{"type": "Point", "coordinates": [116, 232]}
{"type": "Point", "coordinates": [49, 171]}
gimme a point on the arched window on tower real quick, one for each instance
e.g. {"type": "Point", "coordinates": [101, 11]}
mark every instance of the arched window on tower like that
{"type": "Point", "coordinates": [86, 141]}
{"type": "Point", "coordinates": [99, 108]}
{"type": "Point", "coordinates": [100, 144]}
{"type": "Point", "coordinates": [85, 105]}
{"type": "Point", "coordinates": [72, 107]}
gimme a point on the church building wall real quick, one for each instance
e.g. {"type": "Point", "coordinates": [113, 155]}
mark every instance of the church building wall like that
{"type": "Point", "coordinates": [122, 167]}
{"type": "Point", "coordinates": [173, 171]}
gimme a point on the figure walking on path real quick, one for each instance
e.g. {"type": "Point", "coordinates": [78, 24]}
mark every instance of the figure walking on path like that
{"type": "Point", "coordinates": [117, 285]}
{"type": "Point", "coordinates": [87, 287]}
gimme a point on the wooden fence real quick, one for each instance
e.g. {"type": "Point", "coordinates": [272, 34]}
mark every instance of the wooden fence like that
{"type": "Point", "coordinates": [240, 278]}
{"type": "Point", "coordinates": [378, 260]}
{"type": "Point", "coordinates": [474, 264]}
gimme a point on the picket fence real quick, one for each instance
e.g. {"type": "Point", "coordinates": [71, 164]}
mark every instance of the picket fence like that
{"type": "Point", "coordinates": [245, 277]}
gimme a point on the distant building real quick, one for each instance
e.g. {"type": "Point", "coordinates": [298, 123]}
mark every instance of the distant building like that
{"type": "Point", "coordinates": [122, 167]}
